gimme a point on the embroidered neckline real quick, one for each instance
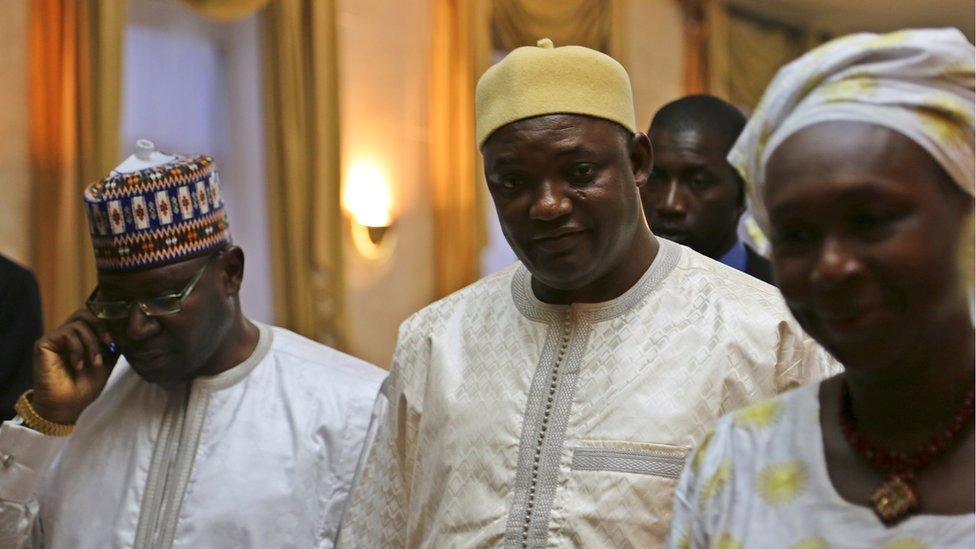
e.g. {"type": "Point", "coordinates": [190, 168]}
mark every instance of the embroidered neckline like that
{"type": "Point", "coordinates": [231, 377]}
{"type": "Point", "coordinates": [534, 309]}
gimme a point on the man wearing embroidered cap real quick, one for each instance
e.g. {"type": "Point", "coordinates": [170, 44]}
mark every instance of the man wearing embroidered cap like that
{"type": "Point", "coordinates": [210, 430]}
{"type": "Point", "coordinates": [553, 403]}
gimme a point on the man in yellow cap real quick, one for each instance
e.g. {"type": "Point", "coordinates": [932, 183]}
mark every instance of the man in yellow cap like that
{"type": "Point", "coordinates": [554, 403]}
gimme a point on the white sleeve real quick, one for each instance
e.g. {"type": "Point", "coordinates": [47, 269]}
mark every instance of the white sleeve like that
{"type": "Point", "coordinates": [704, 493]}
{"type": "Point", "coordinates": [687, 525]}
{"type": "Point", "coordinates": [800, 360]}
{"type": "Point", "coordinates": [376, 418]}
{"type": "Point", "coordinates": [25, 456]}
{"type": "Point", "coordinates": [379, 505]}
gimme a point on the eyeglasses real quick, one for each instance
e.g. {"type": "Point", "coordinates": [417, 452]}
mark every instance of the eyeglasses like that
{"type": "Point", "coordinates": [155, 306]}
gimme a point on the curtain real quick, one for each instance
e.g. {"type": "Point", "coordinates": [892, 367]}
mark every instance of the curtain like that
{"type": "Point", "coordinates": [302, 125]}
{"type": "Point", "coordinates": [745, 51]}
{"type": "Point", "coordinates": [596, 24]}
{"type": "Point", "coordinates": [225, 10]}
{"type": "Point", "coordinates": [460, 53]}
{"type": "Point", "coordinates": [74, 84]}
{"type": "Point", "coordinates": [695, 54]}
{"type": "Point", "coordinates": [717, 48]}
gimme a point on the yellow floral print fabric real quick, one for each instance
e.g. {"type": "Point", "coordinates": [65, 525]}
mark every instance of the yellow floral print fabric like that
{"type": "Point", "coordinates": [760, 481]}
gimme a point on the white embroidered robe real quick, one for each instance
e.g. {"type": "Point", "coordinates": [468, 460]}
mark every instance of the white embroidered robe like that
{"type": "Point", "coordinates": [262, 455]}
{"type": "Point", "coordinates": [513, 422]}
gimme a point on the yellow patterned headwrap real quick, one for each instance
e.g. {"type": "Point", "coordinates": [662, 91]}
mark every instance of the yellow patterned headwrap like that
{"type": "Point", "coordinates": [535, 81]}
{"type": "Point", "coordinates": [916, 82]}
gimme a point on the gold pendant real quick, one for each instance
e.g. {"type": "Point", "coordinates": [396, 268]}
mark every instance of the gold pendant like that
{"type": "Point", "coordinates": [894, 500]}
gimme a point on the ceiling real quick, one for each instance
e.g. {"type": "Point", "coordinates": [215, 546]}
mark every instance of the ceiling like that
{"type": "Point", "coordinates": [844, 16]}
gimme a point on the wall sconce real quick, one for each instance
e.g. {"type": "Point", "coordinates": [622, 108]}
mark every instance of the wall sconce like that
{"type": "Point", "coordinates": [368, 198]}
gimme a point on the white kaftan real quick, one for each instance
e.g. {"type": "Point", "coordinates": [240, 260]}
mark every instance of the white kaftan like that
{"type": "Point", "coordinates": [259, 456]}
{"type": "Point", "coordinates": [761, 481]}
{"type": "Point", "coordinates": [513, 422]}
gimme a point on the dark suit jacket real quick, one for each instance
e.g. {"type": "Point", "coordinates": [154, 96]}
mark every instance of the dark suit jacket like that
{"type": "Point", "coordinates": [20, 326]}
{"type": "Point", "coordinates": [758, 266]}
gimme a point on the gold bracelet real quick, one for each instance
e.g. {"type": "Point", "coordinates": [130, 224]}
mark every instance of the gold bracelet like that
{"type": "Point", "coordinates": [34, 420]}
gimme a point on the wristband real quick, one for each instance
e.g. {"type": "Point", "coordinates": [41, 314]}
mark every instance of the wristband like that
{"type": "Point", "coordinates": [34, 420]}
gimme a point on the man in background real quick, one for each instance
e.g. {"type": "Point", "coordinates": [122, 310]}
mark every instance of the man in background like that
{"type": "Point", "coordinates": [694, 196]}
{"type": "Point", "coordinates": [20, 326]}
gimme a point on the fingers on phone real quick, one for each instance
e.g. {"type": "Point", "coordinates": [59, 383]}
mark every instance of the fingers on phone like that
{"type": "Point", "coordinates": [89, 351]}
{"type": "Point", "coordinates": [70, 347]}
{"type": "Point", "coordinates": [94, 323]}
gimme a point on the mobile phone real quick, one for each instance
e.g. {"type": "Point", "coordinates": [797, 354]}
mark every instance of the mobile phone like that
{"type": "Point", "coordinates": [110, 352]}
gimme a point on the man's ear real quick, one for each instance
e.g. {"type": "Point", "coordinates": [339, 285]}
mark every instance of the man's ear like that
{"type": "Point", "coordinates": [232, 269]}
{"type": "Point", "coordinates": [641, 157]}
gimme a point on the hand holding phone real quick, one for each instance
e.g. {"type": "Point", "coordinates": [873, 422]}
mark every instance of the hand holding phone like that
{"type": "Point", "coordinates": [71, 365]}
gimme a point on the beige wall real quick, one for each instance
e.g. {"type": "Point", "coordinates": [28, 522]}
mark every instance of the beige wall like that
{"type": "Point", "coordinates": [14, 167]}
{"type": "Point", "coordinates": [383, 47]}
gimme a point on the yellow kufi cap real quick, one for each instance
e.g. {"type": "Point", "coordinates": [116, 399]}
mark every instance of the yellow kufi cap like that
{"type": "Point", "coordinates": [534, 81]}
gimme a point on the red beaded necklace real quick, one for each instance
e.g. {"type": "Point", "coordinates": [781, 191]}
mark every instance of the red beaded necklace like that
{"type": "Point", "coordinates": [896, 498]}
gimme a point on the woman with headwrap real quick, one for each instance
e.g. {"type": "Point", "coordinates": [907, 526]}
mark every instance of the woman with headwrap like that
{"type": "Point", "coordinates": [860, 164]}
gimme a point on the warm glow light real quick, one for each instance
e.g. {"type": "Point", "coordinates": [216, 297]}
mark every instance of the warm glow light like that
{"type": "Point", "coordinates": [367, 195]}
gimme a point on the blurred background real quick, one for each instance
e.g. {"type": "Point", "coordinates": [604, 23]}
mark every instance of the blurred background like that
{"type": "Point", "coordinates": [343, 129]}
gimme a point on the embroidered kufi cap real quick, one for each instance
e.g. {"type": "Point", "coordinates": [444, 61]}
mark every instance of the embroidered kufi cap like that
{"type": "Point", "coordinates": [534, 81]}
{"type": "Point", "coordinates": [156, 209]}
